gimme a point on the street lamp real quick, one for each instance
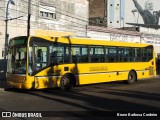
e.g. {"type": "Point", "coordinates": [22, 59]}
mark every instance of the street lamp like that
{"type": "Point", "coordinates": [6, 21]}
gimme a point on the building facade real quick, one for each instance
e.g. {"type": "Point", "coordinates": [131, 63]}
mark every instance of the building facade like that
{"type": "Point", "coordinates": [98, 12]}
{"type": "Point", "coordinates": [72, 16]}
{"type": "Point", "coordinates": [122, 12]}
{"type": "Point", "coordinates": [128, 15]}
{"type": "Point", "coordinates": [56, 15]}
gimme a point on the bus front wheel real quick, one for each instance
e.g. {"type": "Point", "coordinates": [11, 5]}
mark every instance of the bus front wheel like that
{"type": "Point", "coordinates": [66, 83]}
{"type": "Point", "coordinates": [132, 77]}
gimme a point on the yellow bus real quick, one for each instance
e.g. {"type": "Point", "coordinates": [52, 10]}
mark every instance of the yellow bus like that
{"type": "Point", "coordinates": [45, 62]}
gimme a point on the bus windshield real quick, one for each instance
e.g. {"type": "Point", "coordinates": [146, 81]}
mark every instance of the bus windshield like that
{"type": "Point", "coordinates": [17, 56]}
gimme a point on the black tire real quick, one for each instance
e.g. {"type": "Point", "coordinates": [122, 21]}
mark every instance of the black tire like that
{"type": "Point", "coordinates": [132, 77]}
{"type": "Point", "coordinates": [66, 83]}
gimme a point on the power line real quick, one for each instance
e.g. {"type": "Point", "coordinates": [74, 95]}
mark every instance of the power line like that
{"type": "Point", "coordinates": [46, 18]}
{"type": "Point", "coordinates": [63, 14]}
{"type": "Point", "coordinates": [4, 11]}
{"type": "Point", "coordinates": [35, 25]}
{"type": "Point", "coordinates": [51, 24]}
{"type": "Point", "coordinates": [58, 9]}
{"type": "Point", "coordinates": [56, 13]}
{"type": "Point", "coordinates": [54, 24]}
{"type": "Point", "coordinates": [60, 12]}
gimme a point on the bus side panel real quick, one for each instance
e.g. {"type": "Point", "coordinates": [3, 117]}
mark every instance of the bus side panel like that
{"type": "Point", "coordinates": [91, 73]}
{"type": "Point", "coordinates": [48, 78]}
{"type": "Point", "coordinates": [46, 82]}
{"type": "Point", "coordinates": [101, 77]}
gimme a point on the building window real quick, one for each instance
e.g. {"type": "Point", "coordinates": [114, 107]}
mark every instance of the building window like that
{"type": "Point", "coordinates": [48, 12]}
{"type": "Point", "coordinates": [51, 15]}
{"type": "Point", "coordinates": [41, 14]}
{"type": "Point", "coordinates": [47, 15]}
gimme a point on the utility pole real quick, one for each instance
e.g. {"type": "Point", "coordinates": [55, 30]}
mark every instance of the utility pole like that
{"type": "Point", "coordinates": [29, 17]}
{"type": "Point", "coordinates": [6, 31]}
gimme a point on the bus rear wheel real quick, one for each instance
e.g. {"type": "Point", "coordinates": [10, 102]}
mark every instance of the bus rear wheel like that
{"type": "Point", "coordinates": [66, 83]}
{"type": "Point", "coordinates": [132, 77]}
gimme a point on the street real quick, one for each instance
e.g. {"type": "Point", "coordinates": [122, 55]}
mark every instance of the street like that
{"type": "Point", "coordinates": [144, 95]}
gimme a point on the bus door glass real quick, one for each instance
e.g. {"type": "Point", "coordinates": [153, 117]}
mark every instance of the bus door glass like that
{"type": "Point", "coordinates": [40, 56]}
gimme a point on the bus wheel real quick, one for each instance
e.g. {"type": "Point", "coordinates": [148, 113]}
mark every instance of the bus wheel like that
{"type": "Point", "coordinates": [131, 77]}
{"type": "Point", "coordinates": [66, 83]}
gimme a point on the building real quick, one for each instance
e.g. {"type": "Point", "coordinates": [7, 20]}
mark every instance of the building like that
{"type": "Point", "coordinates": [56, 15]}
{"type": "Point", "coordinates": [124, 15]}
{"type": "Point", "coordinates": [72, 16]}
{"type": "Point", "coordinates": [98, 12]}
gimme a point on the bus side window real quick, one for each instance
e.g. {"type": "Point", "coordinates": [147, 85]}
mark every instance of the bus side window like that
{"type": "Point", "coordinates": [66, 54]}
{"type": "Point", "coordinates": [106, 54]}
{"type": "Point", "coordinates": [39, 53]}
{"type": "Point", "coordinates": [38, 58]}
{"type": "Point", "coordinates": [144, 54]}
{"type": "Point", "coordinates": [149, 52]}
{"type": "Point", "coordinates": [41, 57]}
{"type": "Point", "coordinates": [112, 54]}
{"type": "Point", "coordinates": [137, 54]}
{"type": "Point", "coordinates": [75, 52]}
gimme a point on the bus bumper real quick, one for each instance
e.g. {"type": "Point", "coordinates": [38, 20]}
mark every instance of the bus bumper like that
{"type": "Point", "coordinates": [19, 85]}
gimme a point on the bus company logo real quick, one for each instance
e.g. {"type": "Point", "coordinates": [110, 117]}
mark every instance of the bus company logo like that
{"type": "Point", "coordinates": [6, 114]}
{"type": "Point", "coordinates": [101, 68]}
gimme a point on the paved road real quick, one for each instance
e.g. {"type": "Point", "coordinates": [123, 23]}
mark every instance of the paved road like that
{"type": "Point", "coordinates": [142, 96]}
